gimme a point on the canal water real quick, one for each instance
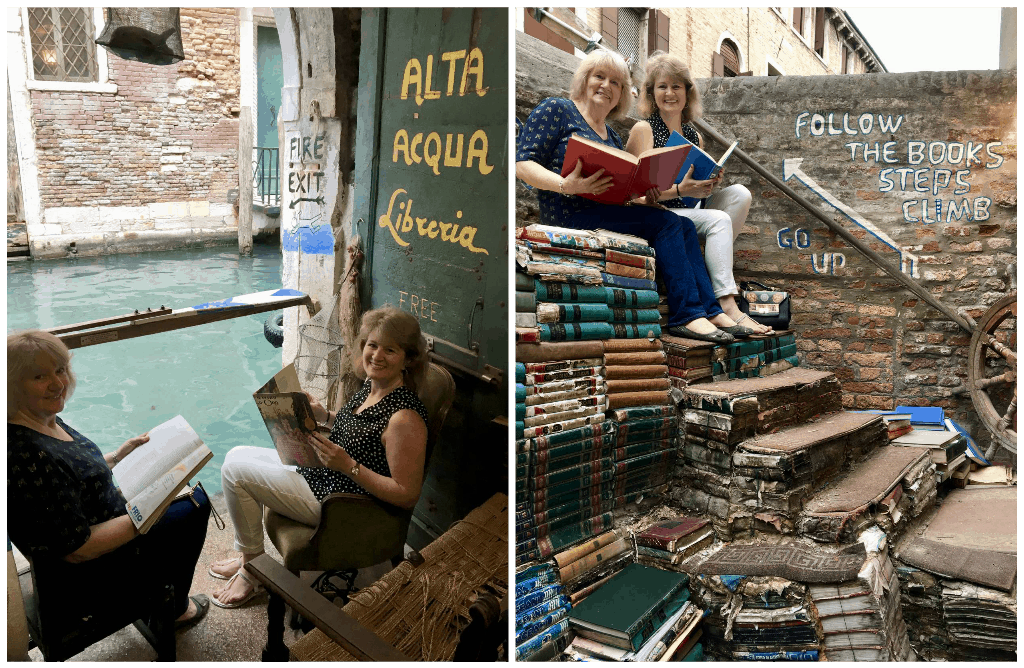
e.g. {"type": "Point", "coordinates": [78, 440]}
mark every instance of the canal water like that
{"type": "Point", "coordinates": [206, 373]}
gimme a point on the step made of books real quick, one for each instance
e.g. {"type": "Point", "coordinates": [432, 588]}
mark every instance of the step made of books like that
{"type": "Point", "coordinates": [887, 488]}
{"type": "Point", "coordinates": [751, 482]}
{"type": "Point", "coordinates": [782, 399]}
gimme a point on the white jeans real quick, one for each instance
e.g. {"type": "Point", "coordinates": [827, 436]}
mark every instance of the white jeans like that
{"type": "Point", "coordinates": [254, 477]}
{"type": "Point", "coordinates": [718, 224]}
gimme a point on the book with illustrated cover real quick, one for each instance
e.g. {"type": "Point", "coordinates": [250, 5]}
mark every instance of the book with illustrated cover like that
{"type": "Point", "coordinates": [632, 176]}
{"type": "Point", "coordinates": [153, 474]}
{"type": "Point", "coordinates": [286, 411]}
{"type": "Point", "coordinates": [704, 166]}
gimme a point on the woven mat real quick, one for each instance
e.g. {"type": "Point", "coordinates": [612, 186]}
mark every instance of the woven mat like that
{"type": "Point", "coordinates": [421, 610]}
{"type": "Point", "coordinates": [792, 561]}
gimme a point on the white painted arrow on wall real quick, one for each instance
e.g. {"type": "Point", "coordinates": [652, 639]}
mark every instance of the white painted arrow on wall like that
{"type": "Point", "coordinates": [791, 168]}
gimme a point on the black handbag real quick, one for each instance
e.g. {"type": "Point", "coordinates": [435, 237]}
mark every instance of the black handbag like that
{"type": "Point", "coordinates": [764, 304]}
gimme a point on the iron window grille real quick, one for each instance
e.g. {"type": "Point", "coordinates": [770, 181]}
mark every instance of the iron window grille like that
{"type": "Point", "coordinates": [629, 37]}
{"type": "Point", "coordinates": [62, 44]}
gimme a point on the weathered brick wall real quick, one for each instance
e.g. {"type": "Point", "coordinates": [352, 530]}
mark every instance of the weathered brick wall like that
{"type": "Point", "coordinates": [760, 33]}
{"type": "Point", "coordinates": [170, 134]}
{"type": "Point", "coordinates": [883, 342]}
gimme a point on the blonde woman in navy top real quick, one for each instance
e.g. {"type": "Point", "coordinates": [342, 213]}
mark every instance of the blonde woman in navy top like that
{"type": "Point", "coordinates": [377, 446]}
{"type": "Point", "coordinates": [600, 92]}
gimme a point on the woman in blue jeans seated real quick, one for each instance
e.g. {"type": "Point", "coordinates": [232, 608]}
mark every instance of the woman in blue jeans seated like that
{"type": "Point", "coordinates": [599, 92]}
{"type": "Point", "coordinates": [72, 519]}
{"type": "Point", "coordinates": [669, 101]}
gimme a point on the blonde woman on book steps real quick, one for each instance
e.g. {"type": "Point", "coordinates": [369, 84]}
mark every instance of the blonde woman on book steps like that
{"type": "Point", "coordinates": [669, 101]}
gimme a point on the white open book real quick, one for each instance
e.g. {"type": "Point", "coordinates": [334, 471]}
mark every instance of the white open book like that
{"type": "Point", "coordinates": [153, 474]}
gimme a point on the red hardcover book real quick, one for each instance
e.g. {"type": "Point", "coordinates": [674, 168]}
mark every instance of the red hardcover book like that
{"type": "Point", "coordinates": [632, 176]}
{"type": "Point", "coordinates": [664, 535]}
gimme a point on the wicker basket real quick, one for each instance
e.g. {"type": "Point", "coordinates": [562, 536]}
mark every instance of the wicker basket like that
{"type": "Point", "coordinates": [422, 610]}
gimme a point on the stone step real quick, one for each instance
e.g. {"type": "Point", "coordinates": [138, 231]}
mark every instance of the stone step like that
{"type": "Point", "coordinates": [891, 485]}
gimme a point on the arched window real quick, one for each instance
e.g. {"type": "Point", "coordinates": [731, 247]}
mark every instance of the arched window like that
{"type": "Point", "coordinates": [730, 58]}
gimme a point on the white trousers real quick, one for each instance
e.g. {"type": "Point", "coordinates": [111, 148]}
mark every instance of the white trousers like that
{"type": "Point", "coordinates": [254, 477]}
{"type": "Point", "coordinates": [718, 224]}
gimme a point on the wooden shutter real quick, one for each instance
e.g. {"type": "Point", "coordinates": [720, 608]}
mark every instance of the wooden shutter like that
{"type": "Point", "coordinates": [657, 32]}
{"type": "Point", "coordinates": [610, 27]}
{"type": "Point", "coordinates": [819, 30]}
{"type": "Point", "coordinates": [534, 28]}
{"type": "Point", "coordinates": [846, 58]}
{"type": "Point", "coordinates": [730, 58]}
{"type": "Point", "coordinates": [717, 65]}
{"type": "Point", "coordinates": [798, 19]}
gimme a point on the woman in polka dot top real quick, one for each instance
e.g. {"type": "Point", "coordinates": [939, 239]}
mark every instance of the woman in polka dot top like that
{"type": "Point", "coordinates": [377, 446]}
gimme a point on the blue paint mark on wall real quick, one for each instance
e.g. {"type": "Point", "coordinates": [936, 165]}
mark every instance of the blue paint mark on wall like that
{"type": "Point", "coordinates": [309, 241]}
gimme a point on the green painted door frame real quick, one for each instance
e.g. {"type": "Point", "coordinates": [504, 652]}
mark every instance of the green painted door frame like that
{"type": "Point", "coordinates": [431, 204]}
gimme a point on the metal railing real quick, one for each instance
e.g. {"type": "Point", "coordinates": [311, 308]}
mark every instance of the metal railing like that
{"type": "Point", "coordinates": [266, 179]}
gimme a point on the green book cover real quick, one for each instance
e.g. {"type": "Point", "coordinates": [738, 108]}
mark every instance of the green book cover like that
{"type": "Point", "coordinates": [630, 607]}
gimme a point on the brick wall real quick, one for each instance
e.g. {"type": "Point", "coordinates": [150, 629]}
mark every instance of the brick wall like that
{"type": "Point", "coordinates": [170, 134]}
{"type": "Point", "coordinates": [886, 346]}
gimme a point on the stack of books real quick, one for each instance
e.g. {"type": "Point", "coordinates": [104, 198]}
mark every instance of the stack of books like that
{"type": "Point", "coordinates": [689, 361]}
{"type": "Point", "coordinates": [755, 357]}
{"type": "Point", "coordinates": [860, 620]}
{"type": "Point", "coordinates": [668, 543]}
{"type": "Point", "coordinates": [541, 611]}
{"type": "Point", "coordinates": [636, 615]}
{"type": "Point", "coordinates": [773, 622]}
{"type": "Point", "coordinates": [637, 373]}
{"type": "Point", "coordinates": [584, 568]}
{"type": "Point", "coordinates": [717, 417]}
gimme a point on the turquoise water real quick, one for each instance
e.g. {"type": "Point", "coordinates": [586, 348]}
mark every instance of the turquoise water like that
{"type": "Point", "coordinates": [206, 373]}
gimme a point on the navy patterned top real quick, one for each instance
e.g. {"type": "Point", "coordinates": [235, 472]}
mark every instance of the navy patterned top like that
{"type": "Point", "coordinates": [360, 435]}
{"type": "Point", "coordinates": [62, 488]}
{"type": "Point", "coordinates": [543, 139]}
{"type": "Point", "coordinates": [661, 135]}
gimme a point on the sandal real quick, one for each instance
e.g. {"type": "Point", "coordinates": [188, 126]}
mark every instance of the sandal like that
{"type": "Point", "coordinates": [717, 336]}
{"type": "Point", "coordinates": [202, 602]}
{"type": "Point", "coordinates": [746, 316]}
{"type": "Point", "coordinates": [739, 331]}
{"type": "Point", "coordinates": [225, 577]}
{"type": "Point", "coordinates": [257, 589]}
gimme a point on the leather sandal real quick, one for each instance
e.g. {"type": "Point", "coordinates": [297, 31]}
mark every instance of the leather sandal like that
{"type": "Point", "coordinates": [202, 602]}
{"type": "Point", "coordinates": [739, 331]}
{"type": "Point", "coordinates": [257, 589]}
{"type": "Point", "coordinates": [717, 336]}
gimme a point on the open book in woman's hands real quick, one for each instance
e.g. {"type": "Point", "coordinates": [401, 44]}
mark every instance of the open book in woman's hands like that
{"type": "Point", "coordinates": [153, 473]}
{"type": "Point", "coordinates": [286, 411]}
{"type": "Point", "coordinates": [632, 176]}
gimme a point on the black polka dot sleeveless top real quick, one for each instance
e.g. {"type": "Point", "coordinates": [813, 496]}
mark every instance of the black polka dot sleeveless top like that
{"type": "Point", "coordinates": [360, 435]}
{"type": "Point", "coordinates": [661, 135]}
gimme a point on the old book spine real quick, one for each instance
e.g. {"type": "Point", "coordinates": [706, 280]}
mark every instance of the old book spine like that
{"type": "Point", "coordinates": [592, 560]}
{"type": "Point", "coordinates": [627, 298]}
{"type": "Point", "coordinates": [573, 534]}
{"type": "Point", "coordinates": [578, 552]}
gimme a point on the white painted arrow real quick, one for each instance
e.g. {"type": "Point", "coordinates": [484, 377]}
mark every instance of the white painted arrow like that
{"type": "Point", "coordinates": [791, 168]}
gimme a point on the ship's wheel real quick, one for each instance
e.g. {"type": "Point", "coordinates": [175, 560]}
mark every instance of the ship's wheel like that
{"type": "Point", "coordinates": [992, 373]}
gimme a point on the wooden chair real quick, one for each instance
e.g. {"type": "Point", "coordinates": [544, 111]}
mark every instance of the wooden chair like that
{"type": "Point", "coordinates": [60, 634]}
{"type": "Point", "coordinates": [456, 594]}
{"type": "Point", "coordinates": [355, 530]}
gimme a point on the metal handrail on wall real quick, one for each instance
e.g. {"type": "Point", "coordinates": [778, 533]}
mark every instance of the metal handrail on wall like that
{"type": "Point", "coordinates": [266, 178]}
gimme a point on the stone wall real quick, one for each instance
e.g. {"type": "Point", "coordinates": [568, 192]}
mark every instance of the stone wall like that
{"type": "Point", "coordinates": [886, 346]}
{"type": "Point", "coordinates": [152, 162]}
